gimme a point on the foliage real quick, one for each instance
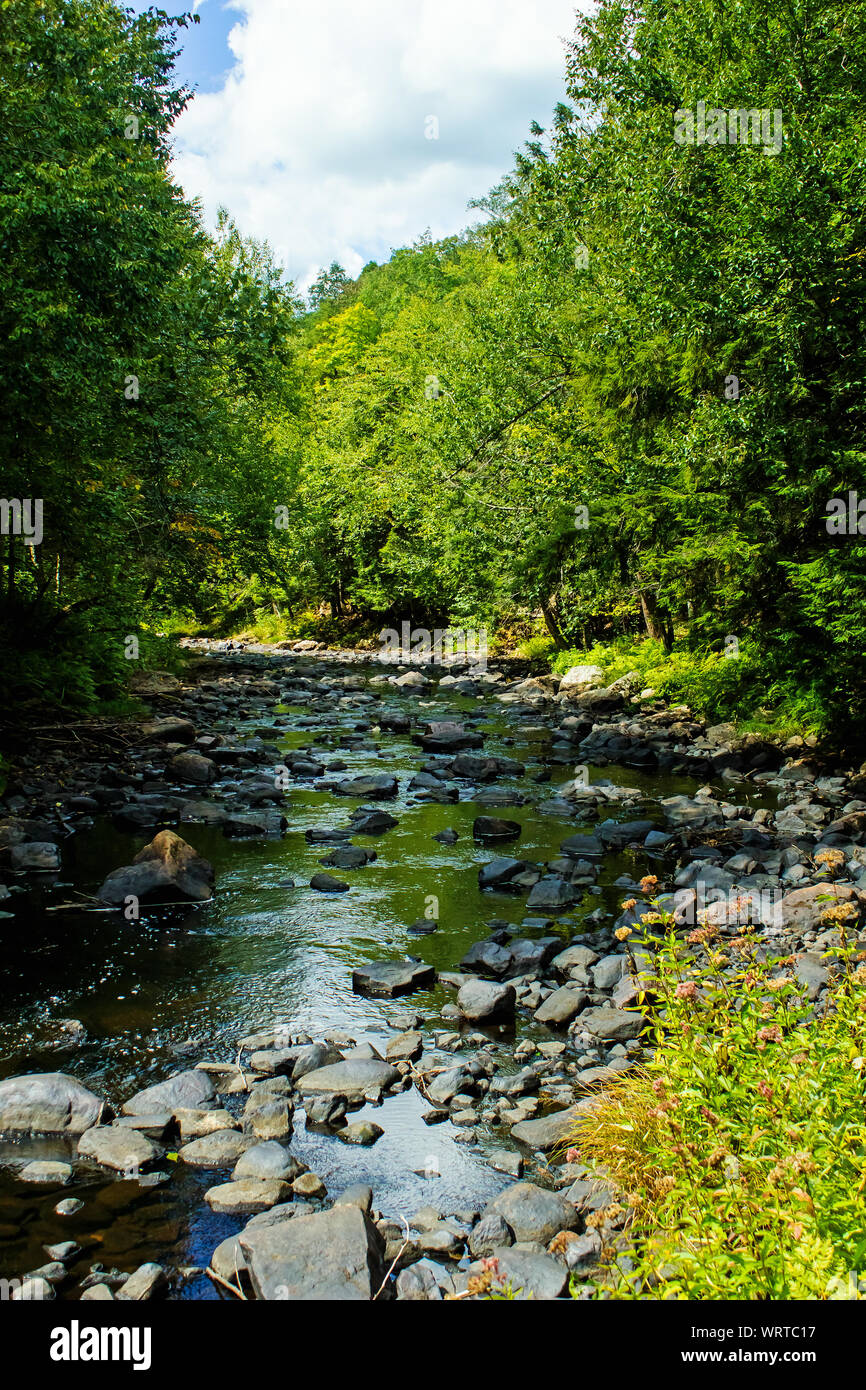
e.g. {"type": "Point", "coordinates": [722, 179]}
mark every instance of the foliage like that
{"type": "Point", "coordinates": [741, 1145]}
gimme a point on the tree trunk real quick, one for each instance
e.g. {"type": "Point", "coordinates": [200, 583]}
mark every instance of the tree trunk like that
{"type": "Point", "coordinates": [659, 624]}
{"type": "Point", "coordinates": [550, 622]}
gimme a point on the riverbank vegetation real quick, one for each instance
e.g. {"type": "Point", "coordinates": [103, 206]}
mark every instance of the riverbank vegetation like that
{"type": "Point", "coordinates": [741, 1146]}
{"type": "Point", "coordinates": [613, 410]}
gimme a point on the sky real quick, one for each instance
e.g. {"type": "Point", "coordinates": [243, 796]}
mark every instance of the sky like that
{"type": "Point", "coordinates": [340, 131]}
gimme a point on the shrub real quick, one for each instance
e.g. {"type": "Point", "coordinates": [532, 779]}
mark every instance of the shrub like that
{"type": "Point", "coordinates": [741, 1145]}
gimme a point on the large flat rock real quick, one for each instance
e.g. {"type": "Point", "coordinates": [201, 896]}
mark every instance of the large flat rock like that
{"type": "Point", "coordinates": [330, 1256]}
{"type": "Point", "coordinates": [352, 1078]}
{"type": "Point", "coordinates": [548, 1132]}
{"type": "Point", "coordinates": [189, 1090]}
{"type": "Point", "coordinates": [386, 979]}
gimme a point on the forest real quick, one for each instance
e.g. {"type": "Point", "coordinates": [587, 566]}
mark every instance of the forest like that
{"type": "Point", "coordinates": [623, 403]}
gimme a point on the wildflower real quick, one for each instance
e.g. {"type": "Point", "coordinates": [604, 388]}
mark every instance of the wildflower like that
{"type": "Point", "coordinates": [771, 1034]}
{"type": "Point", "coordinates": [572, 1155]}
{"type": "Point", "coordinates": [686, 989]}
{"type": "Point", "coordinates": [629, 904]}
{"type": "Point", "coordinates": [649, 883]}
{"type": "Point", "coordinates": [622, 933]}
{"type": "Point", "coordinates": [491, 1263]}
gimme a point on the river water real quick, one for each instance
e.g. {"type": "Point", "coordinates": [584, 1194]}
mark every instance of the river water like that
{"type": "Point", "coordinates": [159, 994]}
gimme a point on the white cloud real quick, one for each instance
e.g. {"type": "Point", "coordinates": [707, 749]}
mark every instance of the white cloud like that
{"type": "Point", "coordinates": [317, 139]}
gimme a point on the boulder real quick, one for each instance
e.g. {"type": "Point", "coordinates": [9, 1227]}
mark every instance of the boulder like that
{"type": "Point", "coordinates": [803, 909]}
{"type": "Point", "coordinates": [331, 1256]}
{"type": "Point", "coordinates": [222, 1149]}
{"type": "Point", "coordinates": [189, 1090]}
{"type": "Point", "coordinates": [579, 678]}
{"type": "Point", "coordinates": [352, 1078]}
{"type": "Point", "coordinates": [532, 1212]}
{"type": "Point", "coordinates": [489, 828]}
{"type": "Point", "coordinates": [49, 1103]}
{"type": "Point", "coordinates": [166, 870]}
{"type": "Point", "coordinates": [548, 1132]}
{"type": "Point", "coordinates": [248, 1196]}
{"type": "Point", "coordinates": [118, 1148]}
{"type": "Point", "coordinates": [560, 1007]}
{"type": "Point", "coordinates": [193, 769]}
{"type": "Point", "coordinates": [483, 1001]}
{"type": "Point", "coordinates": [387, 979]}
{"type": "Point", "coordinates": [612, 1025]}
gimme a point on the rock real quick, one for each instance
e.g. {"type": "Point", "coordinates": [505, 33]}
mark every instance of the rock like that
{"type": "Point", "coordinates": [364, 1132]}
{"type": "Point", "coordinates": [97, 1293]}
{"type": "Point", "coordinates": [194, 769]}
{"type": "Point", "coordinates": [267, 1160]}
{"type": "Point", "coordinates": [36, 855]}
{"type": "Point", "coordinates": [189, 1090]}
{"type": "Point", "coordinates": [812, 973]}
{"type": "Point", "coordinates": [405, 1047]}
{"type": "Point", "coordinates": [579, 678]}
{"type": "Point", "coordinates": [609, 971]}
{"type": "Point", "coordinates": [501, 872]}
{"type": "Point", "coordinates": [447, 736]}
{"type": "Point", "coordinates": [326, 1110]}
{"type": "Point", "coordinates": [533, 1276]}
{"type": "Point", "coordinates": [221, 1149]}
{"type": "Point", "coordinates": [352, 1078]}
{"type": "Point", "coordinates": [147, 1281]}
{"type": "Point", "coordinates": [552, 893]}
{"type": "Point", "coordinates": [804, 909]}
{"type": "Point", "coordinates": [228, 1260]}
{"type": "Point", "coordinates": [482, 1001]}
{"type": "Point", "coordinates": [48, 1102]}
{"type": "Point", "coordinates": [379, 787]}
{"type": "Point", "coordinates": [348, 857]}
{"type": "Point", "coordinates": [70, 1206]}
{"type": "Point", "coordinates": [560, 1007]}
{"type": "Point", "coordinates": [388, 979]}
{"type": "Point", "coordinates": [122, 1149]}
{"type": "Point", "coordinates": [335, 1255]}
{"type": "Point", "coordinates": [247, 1197]}
{"type": "Point", "coordinates": [309, 1185]}
{"type": "Point", "coordinates": [358, 1195]}
{"type": "Point", "coordinates": [548, 1132]}
{"type": "Point", "coordinates": [533, 1213]}
{"type": "Point", "coordinates": [268, 1117]}
{"type": "Point", "coordinates": [583, 1252]}
{"type": "Point", "coordinates": [613, 1025]}
{"type": "Point", "coordinates": [327, 883]}
{"type": "Point", "coordinates": [372, 822]}
{"type": "Point", "coordinates": [168, 729]}
{"type": "Point", "coordinates": [46, 1171]}
{"type": "Point", "coordinates": [488, 958]}
{"type": "Point", "coordinates": [64, 1252]}
{"type": "Point", "coordinates": [196, 1123]}
{"type": "Point", "coordinates": [154, 683]}
{"type": "Point", "coordinates": [166, 870]}
{"type": "Point", "coordinates": [490, 828]}
{"type": "Point", "coordinates": [491, 1234]}
{"type": "Point", "coordinates": [506, 1161]}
